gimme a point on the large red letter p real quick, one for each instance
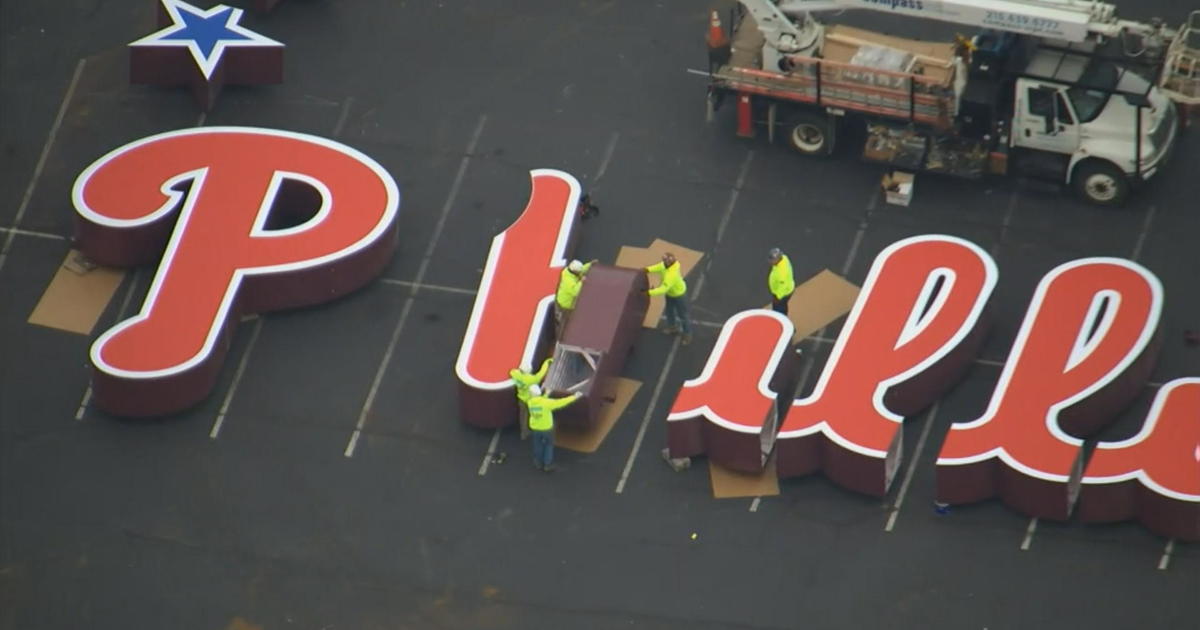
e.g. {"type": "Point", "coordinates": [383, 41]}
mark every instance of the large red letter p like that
{"type": "Point", "coordinates": [271, 220]}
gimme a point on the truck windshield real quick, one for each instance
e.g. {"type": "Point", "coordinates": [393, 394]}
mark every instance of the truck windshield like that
{"type": "Point", "coordinates": [1091, 93]}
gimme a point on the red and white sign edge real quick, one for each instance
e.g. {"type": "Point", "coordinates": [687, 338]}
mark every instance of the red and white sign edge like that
{"type": "Point", "coordinates": [1152, 418]}
{"type": "Point", "coordinates": [1079, 352]}
{"type": "Point", "coordinates": [485, 284]}
{"type": "Point", "coordinates": [386, 221]}
{"type": "Point", "coordinates": [787, 329]}
{"type": "Point", "coordinates": [914, 323]}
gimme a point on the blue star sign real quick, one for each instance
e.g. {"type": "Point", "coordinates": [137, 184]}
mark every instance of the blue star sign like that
{"type": "Point", "coordinates": [206, 34]}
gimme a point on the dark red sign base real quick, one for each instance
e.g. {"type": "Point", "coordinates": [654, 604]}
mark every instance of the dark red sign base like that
{"type": "Point", "coordinates": [175, 67]}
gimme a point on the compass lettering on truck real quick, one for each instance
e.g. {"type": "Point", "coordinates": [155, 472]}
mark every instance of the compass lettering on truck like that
{"type": "Point", "coordinates": [915, 5]}
{"type": "Point", "coordinates": [239, 220]}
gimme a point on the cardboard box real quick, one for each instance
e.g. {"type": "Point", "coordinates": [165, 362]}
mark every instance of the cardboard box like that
{"type": "Point", "coordinates": [898, 187]}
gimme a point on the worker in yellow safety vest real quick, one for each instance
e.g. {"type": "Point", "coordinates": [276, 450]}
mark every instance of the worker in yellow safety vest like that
{"type": "Point", "coordinates": [674, 289]}
{"type": "Point", "coordinates": [780, 281]}
{"type": "Point", "coordinates": [522, 378]}
{"type": "Point", "coordinates": [570, 283]}
{"type": "Point", "coordinates": [541, 425]}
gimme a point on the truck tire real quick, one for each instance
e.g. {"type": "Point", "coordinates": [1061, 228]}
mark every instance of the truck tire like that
{"type": "Point", "coordinates": [1100, 183]}
{"type": "Point", "coordinates": [811, 134]}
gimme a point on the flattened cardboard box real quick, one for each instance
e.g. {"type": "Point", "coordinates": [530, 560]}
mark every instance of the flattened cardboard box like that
{"type": "Point", "coordinates": [73, 301]}
{"type": "Point", "coordinates": [589, 440]}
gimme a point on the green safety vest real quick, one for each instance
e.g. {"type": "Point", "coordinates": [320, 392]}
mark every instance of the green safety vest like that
{"type": "Point", "coordinates": [672, 280]}
{"type": "Point", "coordinates": [541, 410]}
{"type": "Point", "coordinates": [569, 286]}
{"type": "Point", "coordinates": [522, 380]}
{"type": "Point", "coordinates": [781, 281]}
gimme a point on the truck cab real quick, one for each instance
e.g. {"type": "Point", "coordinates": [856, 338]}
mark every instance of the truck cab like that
{"type": "Point", "coordinates": [1085, 120]}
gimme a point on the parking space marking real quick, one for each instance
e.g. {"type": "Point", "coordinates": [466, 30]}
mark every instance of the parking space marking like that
{"type": "Point", "coordinates": [237, 378]}
{"type": "Point", "coordinates": [41, 163]}
{"type": "Point", "coordinates": [1025, 544]}
{"type": "Point", "coordinates": [416, 288]}
{"type": "Point", "coordinates": [1141, 239]}
{"type": "Point", "coordinates": [1007, 221]}
{"type": "Point", "coordinates": [930, 418]}
{"type": "Point", "coordinates": [1165, 560]}
{"type": "Point", "coordinates": [14, 232]}
{"type": "Point", "coordinates": [662, 377]}
{"type": "Point", "coordinates": [608, 153]}
{"type": "Point", "coordinates": [723, 223]}
{"type": "Point", "coordinates": [491, 452]}
{"type": "Point", "coordinates": [429, 287]}
{"type": "Point", "coordinates": [341, 121]}
{"type": "Point", "coordinates": [702, 73]}
{"type": "Point", "coordinates": [87, 394]}
{"type": "Point", "coordinates": [641, 434]}
{"type": "Point", "coordinates": [755, 503]}
{"type": "Point", "coordinates": [819, 336]}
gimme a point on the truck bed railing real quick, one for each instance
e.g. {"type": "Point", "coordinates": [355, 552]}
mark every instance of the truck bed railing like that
{"type": "Point", "coordinates": [841, 85]}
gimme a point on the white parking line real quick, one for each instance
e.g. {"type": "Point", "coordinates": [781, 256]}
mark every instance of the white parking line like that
{"type": "Point", "coordinates": [237, 378]}
{"type": "Point", "coordinates": [341, 121]}
{"type": "Point", "coordinates": [1008, 214]}
{"type": "Point", "coordinates": [755, 503]}
{"type": "Point", "coordinates": [608, 153]}
{"type": "Point", "coordinates": [662, 378]}
{"type": "Point", "coordinates": [1025, 544]}
{"type": "Point", "coordinates": [433, 241]}
{"type": "Point", "coordinates": [930, 418]}
{"type": "Point", "coordinates": [487, 457]}
{"type": "Point", "coordinates": [87, 394]}
{"type": "Point", "coordinates": [1141, 239]}
{"type": "Point", "coordinates": [703, 73]}
{"type": "Point", "coordinates": [819, 337]}
{"type": "Point", "coordinates": [1165, 560]}
{"type": "Point", "coordinates": [41, 163]}
{"type": "Point", "coordinates": [33, 233]}
{"type": "Point", "coordinates": [723, 223]}
{"type": "Point", "coordinates": [428, 287]}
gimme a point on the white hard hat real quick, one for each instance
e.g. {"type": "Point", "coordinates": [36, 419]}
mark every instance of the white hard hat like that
{"type": "Point", "coordinates": [575, 267]}
{"type": "Point", "coordinates": [535, 390]}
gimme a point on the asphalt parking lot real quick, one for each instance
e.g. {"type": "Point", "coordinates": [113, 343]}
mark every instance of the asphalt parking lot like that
{"type": "Point", "coordinates": [245, 512]}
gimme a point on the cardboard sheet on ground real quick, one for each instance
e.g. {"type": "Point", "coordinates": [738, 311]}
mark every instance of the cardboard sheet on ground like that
{"type": "Point", "coordinates": [730, 484]}
{"type": "Point", "coordinates": [589, 441]}
{"type": "Point", "coordinates": [820, 301]}
{"type": "Point", "coordinates": [74, 301]}
{"type": "Point", "coordinates": [637, 257]}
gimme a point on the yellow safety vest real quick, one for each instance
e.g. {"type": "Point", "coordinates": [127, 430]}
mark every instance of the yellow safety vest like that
{"type": "Point", "coordinates": [522, 380]}
{"type": "Point", "coordinates": [541, 410]}
{"type": "Point", "coordinates": [672, 280]}
{"type": "Point", "coordinates": [781, 281]}
{"type": "Point", "coordinates": [569, 286]}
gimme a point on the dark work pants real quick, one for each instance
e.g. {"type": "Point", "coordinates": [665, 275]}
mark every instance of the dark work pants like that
{"type": "Point", "coordinates": [780, 305]}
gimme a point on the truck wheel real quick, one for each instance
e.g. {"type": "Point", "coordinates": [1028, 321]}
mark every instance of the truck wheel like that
{"type": "Point", "coordinates": [1101, 183]}
{"type": "Point", "coordinates": [811, 135]}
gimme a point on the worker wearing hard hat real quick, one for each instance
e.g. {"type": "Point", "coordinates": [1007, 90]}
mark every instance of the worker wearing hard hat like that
{"type": "Point", "coordinates": [570, 282]}
{"type": "Point", "coordinates": [780, 281]}
{"type": "Point", "coordinates": [675, 290]}
{"type": "Point", "coordinates": [541, 424]}
{"type": "Point", "coordinates": [523, 377]}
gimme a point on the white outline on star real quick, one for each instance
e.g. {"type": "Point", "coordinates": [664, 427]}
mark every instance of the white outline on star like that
{"type": "Point", "coordinates": [208, 64]}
